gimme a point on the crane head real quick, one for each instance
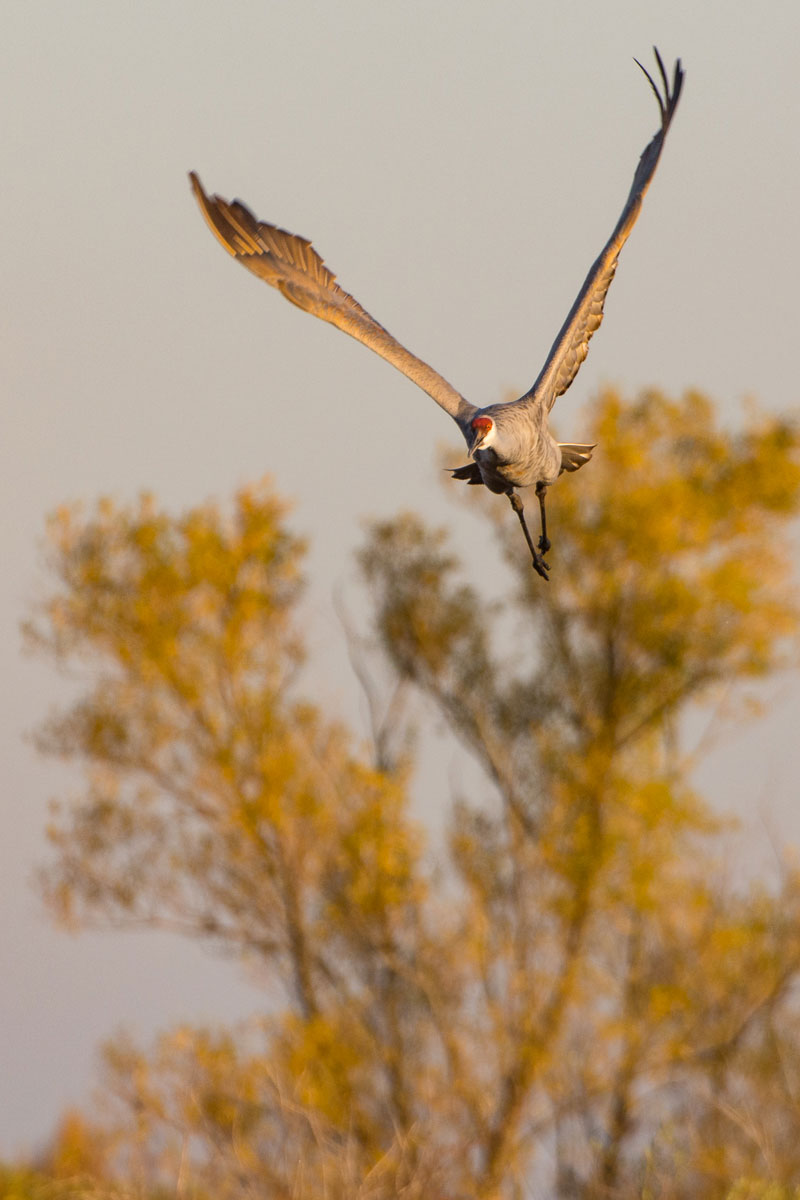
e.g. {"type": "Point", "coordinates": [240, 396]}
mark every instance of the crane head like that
{"type": "Point", "coordinates": [482, 431]}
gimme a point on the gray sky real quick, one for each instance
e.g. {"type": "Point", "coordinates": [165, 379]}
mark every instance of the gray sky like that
{"type": "Point", "coordinates": [459, 165]}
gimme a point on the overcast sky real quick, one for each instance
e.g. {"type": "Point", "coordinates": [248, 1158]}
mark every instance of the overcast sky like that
{"type": "Point", "coordinates": [459, 166]}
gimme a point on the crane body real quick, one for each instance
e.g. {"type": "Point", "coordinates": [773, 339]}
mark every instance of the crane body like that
{"type": "Point", "coordinates": [510, 445]}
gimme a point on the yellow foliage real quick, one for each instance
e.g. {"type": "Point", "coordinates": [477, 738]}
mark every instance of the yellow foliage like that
{"type": "Point", "coordinates": [568, 992]}
{"type": "Point", "coordinates": [78, 1151]}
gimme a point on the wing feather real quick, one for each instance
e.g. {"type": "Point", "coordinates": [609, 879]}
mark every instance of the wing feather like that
{"type": "Point", "coordinates": [291, 264]}
{"type": "Point", "coordinates": [572, 344]}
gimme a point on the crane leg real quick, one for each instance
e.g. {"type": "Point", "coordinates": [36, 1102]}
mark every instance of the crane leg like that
{"type": "Point", "coordinates": [544, 540]}
{"type": "Point", "coordinates": [539, 565]}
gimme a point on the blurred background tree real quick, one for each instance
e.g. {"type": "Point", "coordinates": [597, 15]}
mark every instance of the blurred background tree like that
{"type": "Point", "coordinates": [571, 996]}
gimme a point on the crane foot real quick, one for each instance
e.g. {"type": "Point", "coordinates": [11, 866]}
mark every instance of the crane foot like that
{"type": "Point", "coordinates": [541, 567]}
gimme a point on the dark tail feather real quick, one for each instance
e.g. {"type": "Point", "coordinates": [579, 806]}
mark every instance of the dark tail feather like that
{"type": "Point", "coordinates": [574, 455]}
{"type": "Point", "coordinates": [470, 473]}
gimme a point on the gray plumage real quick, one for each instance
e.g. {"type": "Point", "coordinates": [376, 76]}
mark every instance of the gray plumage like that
{"type": "Point", "coordinates": [510, 444]}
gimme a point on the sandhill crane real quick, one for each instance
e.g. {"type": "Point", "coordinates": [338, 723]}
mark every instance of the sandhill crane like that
{"type": "Point", "coordinates": [510, 444]}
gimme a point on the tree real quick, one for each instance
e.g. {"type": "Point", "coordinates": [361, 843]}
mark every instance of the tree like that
{"type": "Point", "coordinates": [574, 998]}
{"type": "Point", "coordinates": [74, 1164]}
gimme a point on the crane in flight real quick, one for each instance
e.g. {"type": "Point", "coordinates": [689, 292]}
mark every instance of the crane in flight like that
{"type": "Point", "coordinates": [509, 444]}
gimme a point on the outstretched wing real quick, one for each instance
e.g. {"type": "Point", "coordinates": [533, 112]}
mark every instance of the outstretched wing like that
{"type": "Point", "coordinates": [572, 344]}
{"type": "Point", "coordinates": [292, 265]}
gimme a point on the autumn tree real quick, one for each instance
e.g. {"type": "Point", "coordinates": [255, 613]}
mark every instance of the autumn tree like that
{"type": "Point", "coordinates": [569, 998]}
